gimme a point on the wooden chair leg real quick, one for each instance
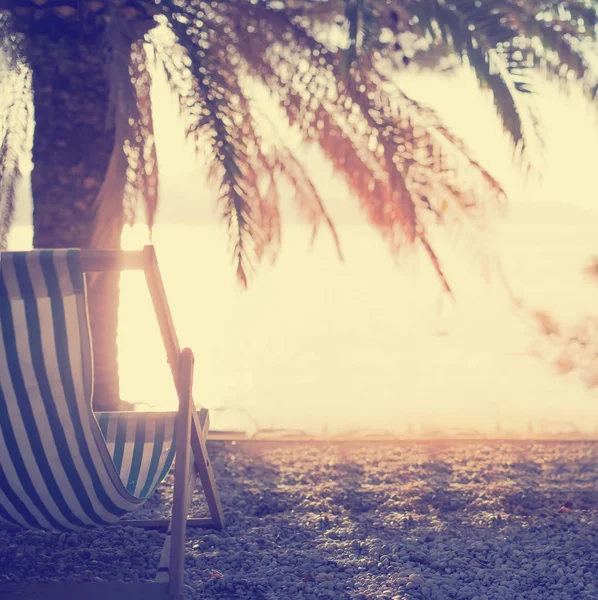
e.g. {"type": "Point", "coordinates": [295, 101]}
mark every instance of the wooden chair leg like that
{"type": "Point", "coordinates": [199, 428]}
{"type": "Point", "coordinates": [172, 563]}
{"type": "Point", "coordinates": [191, 462]}
{"type": "Point", "coordinates": [171, 567]}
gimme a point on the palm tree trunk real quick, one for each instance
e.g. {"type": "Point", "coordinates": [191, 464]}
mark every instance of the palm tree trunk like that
{"type": "Point", "coordinates": [72, 144]}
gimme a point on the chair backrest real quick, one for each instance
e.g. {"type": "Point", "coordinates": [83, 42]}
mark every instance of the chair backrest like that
{"type": "Point", "coordinates": [55, 469]}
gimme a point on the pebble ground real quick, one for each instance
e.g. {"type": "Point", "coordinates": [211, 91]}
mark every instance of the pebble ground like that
{"type": "Point", "coordinates": [362, 521]}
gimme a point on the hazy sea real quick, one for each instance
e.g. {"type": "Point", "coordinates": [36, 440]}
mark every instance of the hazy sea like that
{"type": "Point", "coordinates": [317, 344]}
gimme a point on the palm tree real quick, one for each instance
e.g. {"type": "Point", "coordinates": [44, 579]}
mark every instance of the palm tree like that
{"type": "Point", "coordinates": [331, 65]}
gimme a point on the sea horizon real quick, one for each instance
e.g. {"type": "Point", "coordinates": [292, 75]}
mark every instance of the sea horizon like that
{"type": "Point", "coordinates": [326, 346]}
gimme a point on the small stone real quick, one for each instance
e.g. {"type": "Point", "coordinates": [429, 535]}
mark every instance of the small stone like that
{"type": "Point", "coordinates": [65, 11]}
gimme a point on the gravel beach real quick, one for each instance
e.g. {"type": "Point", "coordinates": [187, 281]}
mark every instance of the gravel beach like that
{"type": "Point", "coordinates": [362, 521]}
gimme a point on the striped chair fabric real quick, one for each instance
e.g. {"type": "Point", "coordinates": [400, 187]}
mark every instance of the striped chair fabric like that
{"type": "Point", "coordinates": [141, 446]}
{"type": "Point", "coordinates": [60, 467]}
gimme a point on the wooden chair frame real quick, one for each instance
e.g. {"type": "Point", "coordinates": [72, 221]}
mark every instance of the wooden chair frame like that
{"type": "Point", "coordinates": [191, 461]}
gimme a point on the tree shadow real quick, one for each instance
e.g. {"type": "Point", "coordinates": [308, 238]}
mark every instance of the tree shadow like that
{"type": "Point", "coordinates": [367, 514]}
{"type": "Point", "coordinates": [372, 515]}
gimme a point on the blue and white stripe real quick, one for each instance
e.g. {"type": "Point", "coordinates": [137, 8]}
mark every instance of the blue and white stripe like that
{"type": "Point", "coordinates": [141, 446]}
{"type": "Point", "coordinates": [56, 471]}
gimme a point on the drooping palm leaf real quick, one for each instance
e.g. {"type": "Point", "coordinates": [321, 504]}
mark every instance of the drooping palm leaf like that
{"type": "Point", "coordinates": [375, 136]}
{"type": "Point", "coordinates": [395, 155]}
{"type": "Point", "coordinates": [330, 65]}
{"type": "Point", "coordinates": [132, 176]}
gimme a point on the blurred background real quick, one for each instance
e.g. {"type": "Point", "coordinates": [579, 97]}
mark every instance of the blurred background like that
{"type": "Point", "coordinates": [373, 343]}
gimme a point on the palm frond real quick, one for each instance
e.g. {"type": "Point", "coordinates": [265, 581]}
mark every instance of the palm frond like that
{"type": "Point", "coordinates": [353, 17]}
{"type": "Point", "coordinates": [504, 41]}
{"type": "Point", "coordinates": [132, 176]}
{"type": "Point", "coordinates": [394, 154]}
{"type": "Point", "coordinates": [388, 147]}
{"type": "Point", "coordinates": [331, 66]}
{"type": "Point", "coordinates": [482, 34]}
{"type": "Point", "coordinates": [210, 104]}
{"type": "Point", "coordinates": [143, 160]}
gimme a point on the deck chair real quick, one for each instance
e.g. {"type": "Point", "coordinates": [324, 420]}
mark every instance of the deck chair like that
{"type": "Point", "coordinates": [62, 467]}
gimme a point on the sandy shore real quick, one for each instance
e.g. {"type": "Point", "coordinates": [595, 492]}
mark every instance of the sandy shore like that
{"type": "Point", "coordinates": [390, 521]}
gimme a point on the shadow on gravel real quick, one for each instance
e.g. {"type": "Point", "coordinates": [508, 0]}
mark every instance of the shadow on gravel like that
{"type": "Point", "coordinates": [362, 522]}
{"type": "Point", "coordinates": [415, 522]}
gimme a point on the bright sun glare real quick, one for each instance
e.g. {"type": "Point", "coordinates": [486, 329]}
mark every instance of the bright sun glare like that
{"type": "Point", "coordinates": [370, 344]}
